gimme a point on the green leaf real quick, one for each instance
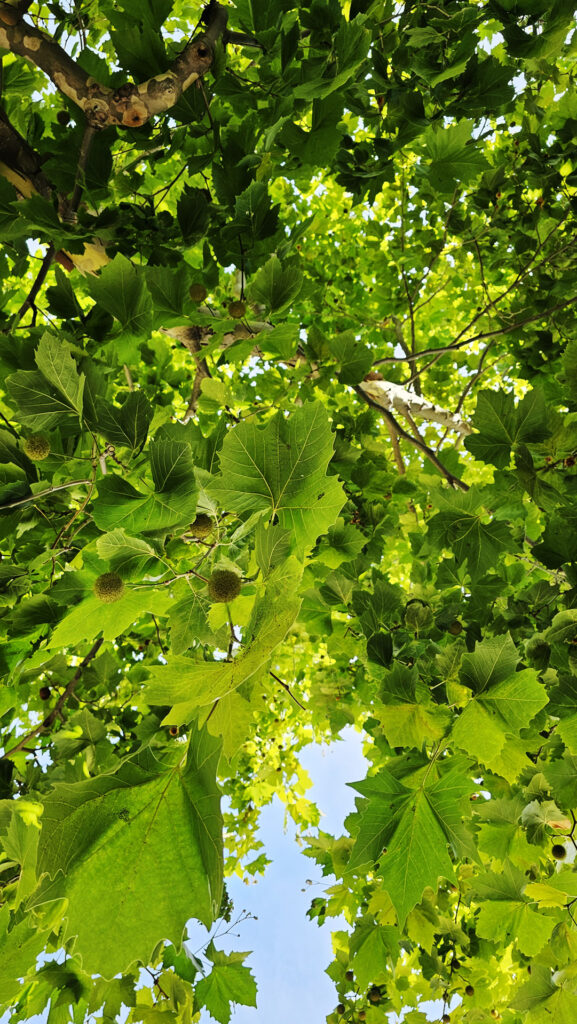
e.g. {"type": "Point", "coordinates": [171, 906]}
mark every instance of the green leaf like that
{"type": "Point", "coordinates": [19, 947]}
{"type": "Point", "coordinates": [543, 999]}
{"type": "Point", "coordinates": [408, 830]}
{"type": "Point", "coordinates": [121, 290]}
{"type": "Point", "coordinates": [169, 292]}
{"type": "Point", "coordinates": [171, 465]}
{"type": "Point", "coordinates": [228, 982]}
{"type": "Point", "coordinates": [55, 362]}
{"type": "Point", "coordinates": [489, 726]}
{"type": "Point", "coordinates": [506, 913]}
{"type": "Point", "coordinates": [40, 405]}
{"type": "Point", "coordinates": [128, 556]}
{"type": "Point", "coordinates": [92, 617]}
{"type": "Point", "coordinates": [122, 826]}
{"type": "Point", "coordinates": [119, 504]}
{"type": "Point", "coordinates": [232, 719]}
{"type": "Point", "coordinates": [189, 623]}
{"type": "Point", "coordinates": [343, 543]}
{"type": "Point", "coordinates": [453, 156]}
{"type": "Point", "coordinates": [272, 546]}
{"type": "Point", "coordinates": [127, 426]}
{"type": "Point", "coordinates": [406, 712]}
{"type": "Point", "coordinates": [276, 285]}
{"type": "Point", "coordinates": [355, 358]}
{"type": "Point", "coordinates": [461, 527]}
{"type": "Point", "coordinates": [189, 685]}
{"type": "Point", "coordinates": [281, 468]}
{"type": "Point", "coordinates": [502, 425]}
{"type": "Point", "coordinates": [493, 660]}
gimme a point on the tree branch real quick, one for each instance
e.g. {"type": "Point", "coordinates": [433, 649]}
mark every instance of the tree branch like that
{"type": "Point", "coordinates": [130, 105]}
{"type": "Point", "coordinates": [56, 712]}
{"type": "Point", "coordinates": [417, 442]}
{"type": "Point", "coordinates": [42, 494]}
{"type": "Point", "coordinates": [392, 396]}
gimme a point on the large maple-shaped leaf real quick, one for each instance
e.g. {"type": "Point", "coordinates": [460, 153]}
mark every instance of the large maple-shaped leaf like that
{"type": "Point", "coordinates": [507, 913]}
{"type": "Point", "coordinates": [92, 616]}
{"type": "Point", "coordinates": [409, 831]}
{"type": "Point", "coordinates": [19, 948]}
{"type": "Point", "coordinates": [228, 982]}
{"type": "Point", "coordinates": [547, 997]}
{"type": "Point", "coordinates": [453, 155]}
{"type": "Point", "coordinates": [55, 362]}
{"type": "Point", "coordinates": [489, 726]}
{"type": "Point", "coordinates": [136, 854]}
{"type": "Point", "coordinates": [501, 425]}
{"type": "Point", "coordinates": [462, 527]}
{"type": "Point", "coordinates": [189, 685]}
{"type": "Point", "coordinates": [121, 290]}
{"type": "Point", "coordinates": [173, 501]}
{"type": "Point", "coordinates": [281, 468]}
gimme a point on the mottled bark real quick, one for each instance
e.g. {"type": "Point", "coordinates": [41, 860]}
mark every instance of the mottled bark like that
{"type": "Point", "coordinates": [129, 106]}
{"type": "Point", "coordinates": [22, 160]}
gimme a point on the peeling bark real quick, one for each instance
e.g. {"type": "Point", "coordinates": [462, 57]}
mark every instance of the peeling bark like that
{"type": "Point", "coordinates": [392, 396]}
{"type": "Point", "coordinates": [22, 161]}
{"type": "Point", "coordinates": [129, 106]}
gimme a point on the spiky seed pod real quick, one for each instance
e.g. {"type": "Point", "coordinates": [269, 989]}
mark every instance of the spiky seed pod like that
{"type": "Point", "coordinates": [109, 587]}
{"type": "Point", "coordinates": [197, 292]}
{"type": "Point", "coordinates": [559, 852]}
{"type": "Point", "coordinates": [237, 309]}
{"type": "Point", "coordinates": [469, 990]}
{"type": "Point", "coordinates": [44, 693]}
{"type": "Point", "coordinates": [374, 994]}
{"type": "Point", "coordinates": [37, 447]}
{"type": "Point", "coordinates": [455, 628]}
{"type": "Point", "coordinates": [224, 585]}
{"type": "Point", "coordinates": [202, 526]}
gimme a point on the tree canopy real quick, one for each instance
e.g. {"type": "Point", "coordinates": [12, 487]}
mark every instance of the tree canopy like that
{"type": "Point", "coordinates": [288, 443]}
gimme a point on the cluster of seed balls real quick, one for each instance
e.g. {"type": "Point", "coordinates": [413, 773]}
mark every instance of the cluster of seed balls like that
{"type": "Point", "coordinates": [236, 308]}
{"type": "Point", "coordinates": [223, 585]}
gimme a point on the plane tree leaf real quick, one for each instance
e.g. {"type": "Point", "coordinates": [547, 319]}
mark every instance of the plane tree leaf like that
{"type": "Point", "coordinates": [408, 832]}
{"type": "Point", "coordinates": [281, 468]}
{"type": "Point", "coordinates": [147, 812]}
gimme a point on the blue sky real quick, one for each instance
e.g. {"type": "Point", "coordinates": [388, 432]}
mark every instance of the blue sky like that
{"type": "Point", "coordinates": [290, 953]}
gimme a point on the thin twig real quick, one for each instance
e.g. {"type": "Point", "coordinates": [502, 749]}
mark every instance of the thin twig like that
{"type": "Point", "coordinates": [158, 635]}
{"type": "Point", "coordinates": [29, 301]}
{"type": "Point", "coordinates": [69, 208]}
{"type": "Point", "coordinates": [396, 448]}
{"type": "Point", "coordinates": [56, 712]}
{"type": "Point", "coordinates": [42, 494]}
{"type": "Point", "coordinates": [288, 690]}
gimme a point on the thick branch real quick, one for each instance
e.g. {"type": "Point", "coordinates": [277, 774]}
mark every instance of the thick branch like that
{"type": "Point", "coordinates": [130, 105]}
{"type": "Point", "coordinates": [392, 396]}
{"type": "Point", "coordinates": [417, 442]}
{"type": "Point", "coordinates": [23, 161]}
